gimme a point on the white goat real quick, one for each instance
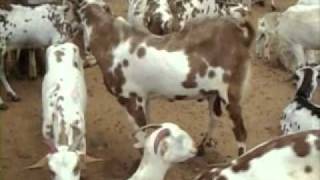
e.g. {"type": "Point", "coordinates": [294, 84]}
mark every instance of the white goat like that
{"type": "Point", "coordinates": [167, 145]}
{"type": "Point", "coordinates": [19, 28]}
{"type": "Point", "coordinates": [301, 29]}
{"type": "Point", "coordinates": [301, 114]}
{"type": "Point", "coordinates": [138, 66]}
{"type": "Point", "coordinates": [64, 104]}
{"type": "Point", "coordinates": [292, 29]}
{"type": "Point", "coordinates": [271, 46]}
{"type": "Point", "coordinates": [292, 157]}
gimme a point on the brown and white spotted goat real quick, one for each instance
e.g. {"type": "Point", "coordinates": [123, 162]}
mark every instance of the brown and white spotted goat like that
{"type": "Point", "coordinates": [165, 16]}
{"type": "Point", "coordinates": [292, 157]}
{"type": "Point", "coordinates": [63, 104]}
{"type": "Point", "coordinates": [207, 59]}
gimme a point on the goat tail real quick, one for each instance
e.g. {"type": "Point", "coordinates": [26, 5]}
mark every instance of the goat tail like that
{"type": "Point", "coordinates": [248, 33]}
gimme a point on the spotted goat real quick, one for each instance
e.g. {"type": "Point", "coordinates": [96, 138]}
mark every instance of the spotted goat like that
{"type": "Point", "coordinates": [139, 66]}
{"type": "Point", "coordinates": [301, 114]}
{"type": "Point", "coordinates": [167, 145]}
{"type": "Point", "coordinates": [165, 16]}
{"type": "Point", "coordinates": [64, 104]}
{"type": "Point", "coordinates": [19, 29]}
{"type": "Point", "coordinates": [291, 157]}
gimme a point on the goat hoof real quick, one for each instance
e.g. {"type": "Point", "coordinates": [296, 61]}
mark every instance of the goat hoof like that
{"type": "Point", "coordinates": [241, 151]}
{"type": "Point", "coordinates": [201, 150]}
{"type": "Point", "coordinates": [3, 107]}
{"type": "Point", "coordinates": [273, 8]}
{"type": "Point", "coordinates": [13, 98]}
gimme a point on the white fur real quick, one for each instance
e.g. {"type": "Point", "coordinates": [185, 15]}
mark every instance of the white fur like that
{"type": "Point", "coordinates": [298, 116]}
{"type": "Point", "coordinates": [283, 163]}
{"type": "Point", "coordinates": [158, 64]}
{"type": "Point", "coordinates": [73, 90]}
{"type": "Point", "coordinates": [280, 162]}
{"type": "Point", "coordinates": [208, 8]}
{"type": "Point", "coordinates": [295, 27]}
{"type": "Point", "coordinates": [179, 148]}
{"type": "Point", "coordinates": [26, 27]}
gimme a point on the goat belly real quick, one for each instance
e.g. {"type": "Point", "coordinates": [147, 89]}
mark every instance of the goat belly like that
{"type": "Point", "coordinates": [150, 70]}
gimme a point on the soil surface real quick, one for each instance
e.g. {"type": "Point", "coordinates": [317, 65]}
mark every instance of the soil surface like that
{"type": "Point", "coordinates": [108, 131]}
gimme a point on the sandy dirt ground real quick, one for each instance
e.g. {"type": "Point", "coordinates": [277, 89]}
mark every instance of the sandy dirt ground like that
{"type": "Point", "coordinates": [108, 132]}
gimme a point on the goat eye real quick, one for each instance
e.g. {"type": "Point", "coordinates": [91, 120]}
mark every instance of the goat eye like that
{"type": "Point", "coordinates": [296, 77]}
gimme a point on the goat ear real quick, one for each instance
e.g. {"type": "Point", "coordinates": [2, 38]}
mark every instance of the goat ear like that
{"type": "Point", "coordinates": [50, 144]}
{"type": "Point", "coordinates": [162, 134]}
{"type": "Point", "coordinates": [40, 164]}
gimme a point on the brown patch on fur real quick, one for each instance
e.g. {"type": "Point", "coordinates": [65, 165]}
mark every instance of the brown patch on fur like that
{"type": "Point", "coordinates": [136, 111]}
{"type": "Point", "coordinates": [76, 133]}
{"type": "Point", "coordinates": [63, 137]}
{"type": "Point", "coordinates": [141, 52]}
{"type": "Point", "coordinates": [75, 64]}
{"type": "Point", "coordinates": [125, 63]}
{"type": "Point", "coordinates": [196, 67]}
{"type": "Point", "coordinates": [211, 74]}
{"type": "Point", "coordinates": [317, 143]}
{"type": "Point", "coordinates": [307, 169]}
{"type": "Point", "coordinates": [296, 141]}
{"type": "Point", "coordinates": [50, 131]}
{"type": "Point", "coordinates": [59, 55]}
{"type": "Point", "coordinates": [301, 148]}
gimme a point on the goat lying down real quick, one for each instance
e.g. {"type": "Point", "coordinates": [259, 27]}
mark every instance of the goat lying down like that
{"type": "Point", "coordinates": [63, 104]}
{"type": "Point", "coordinates": [167, 145]}
{"type": "Point", "coordinates": [301, 114]}
{"type": "Point", "coordinates": [292, 157]}
{"type": "Point", "coordinates": [209, 59]}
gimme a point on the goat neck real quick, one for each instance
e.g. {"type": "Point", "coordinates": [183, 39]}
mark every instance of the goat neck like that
{"type": "Point", "coordinates": [152, 166]}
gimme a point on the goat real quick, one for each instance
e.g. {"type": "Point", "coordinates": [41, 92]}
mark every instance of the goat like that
{"type": "Point", "coordinates": [301, 114]}
{"type": "Point", "coordinates": [167, 145]}
{"type": "Point", "coordinates": [291, 157]}
{"type": "Point", "coordinates": [19, 29]}
{"type": "Point", "coordinates": [166, 16]}
{"type": "Point", "coordinates": [64, 103]}
{"type": "Point", "coordinates": [271, 46]}
{"type": "Point", "coordinates": [151, 15]}
{"type": "Point", "coordinates": [308, 2]}
{"type": "Point", "coordinates": [292, 29]}
{"type": "Point", "coordinates": [139, 66]}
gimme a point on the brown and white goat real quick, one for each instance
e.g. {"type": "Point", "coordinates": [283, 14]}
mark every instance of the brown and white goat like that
{"type": "Point", "coordinates": [64, 104]}
{"type": "Point", "coordinates": [292, 157]}
{"type": "Point", "coordinates": [207, 59]}
{"type": "Point", "coordinates": [166, 16]}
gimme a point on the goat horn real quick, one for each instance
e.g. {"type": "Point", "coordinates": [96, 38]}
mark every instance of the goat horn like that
{"type": "Point", "coordinates": [154, 126]}
{"type": "Point", "coordinates": [90, 159]}
{"type": "Point", "coordinates": [41, 163]}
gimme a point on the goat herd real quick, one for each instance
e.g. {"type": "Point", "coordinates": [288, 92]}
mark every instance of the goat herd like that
{"type": "Point", "coordinates": [172, 49]}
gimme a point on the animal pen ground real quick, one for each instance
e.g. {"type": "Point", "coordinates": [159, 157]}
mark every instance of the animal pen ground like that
{"type": "Point", "coordinates": [108, 131]}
